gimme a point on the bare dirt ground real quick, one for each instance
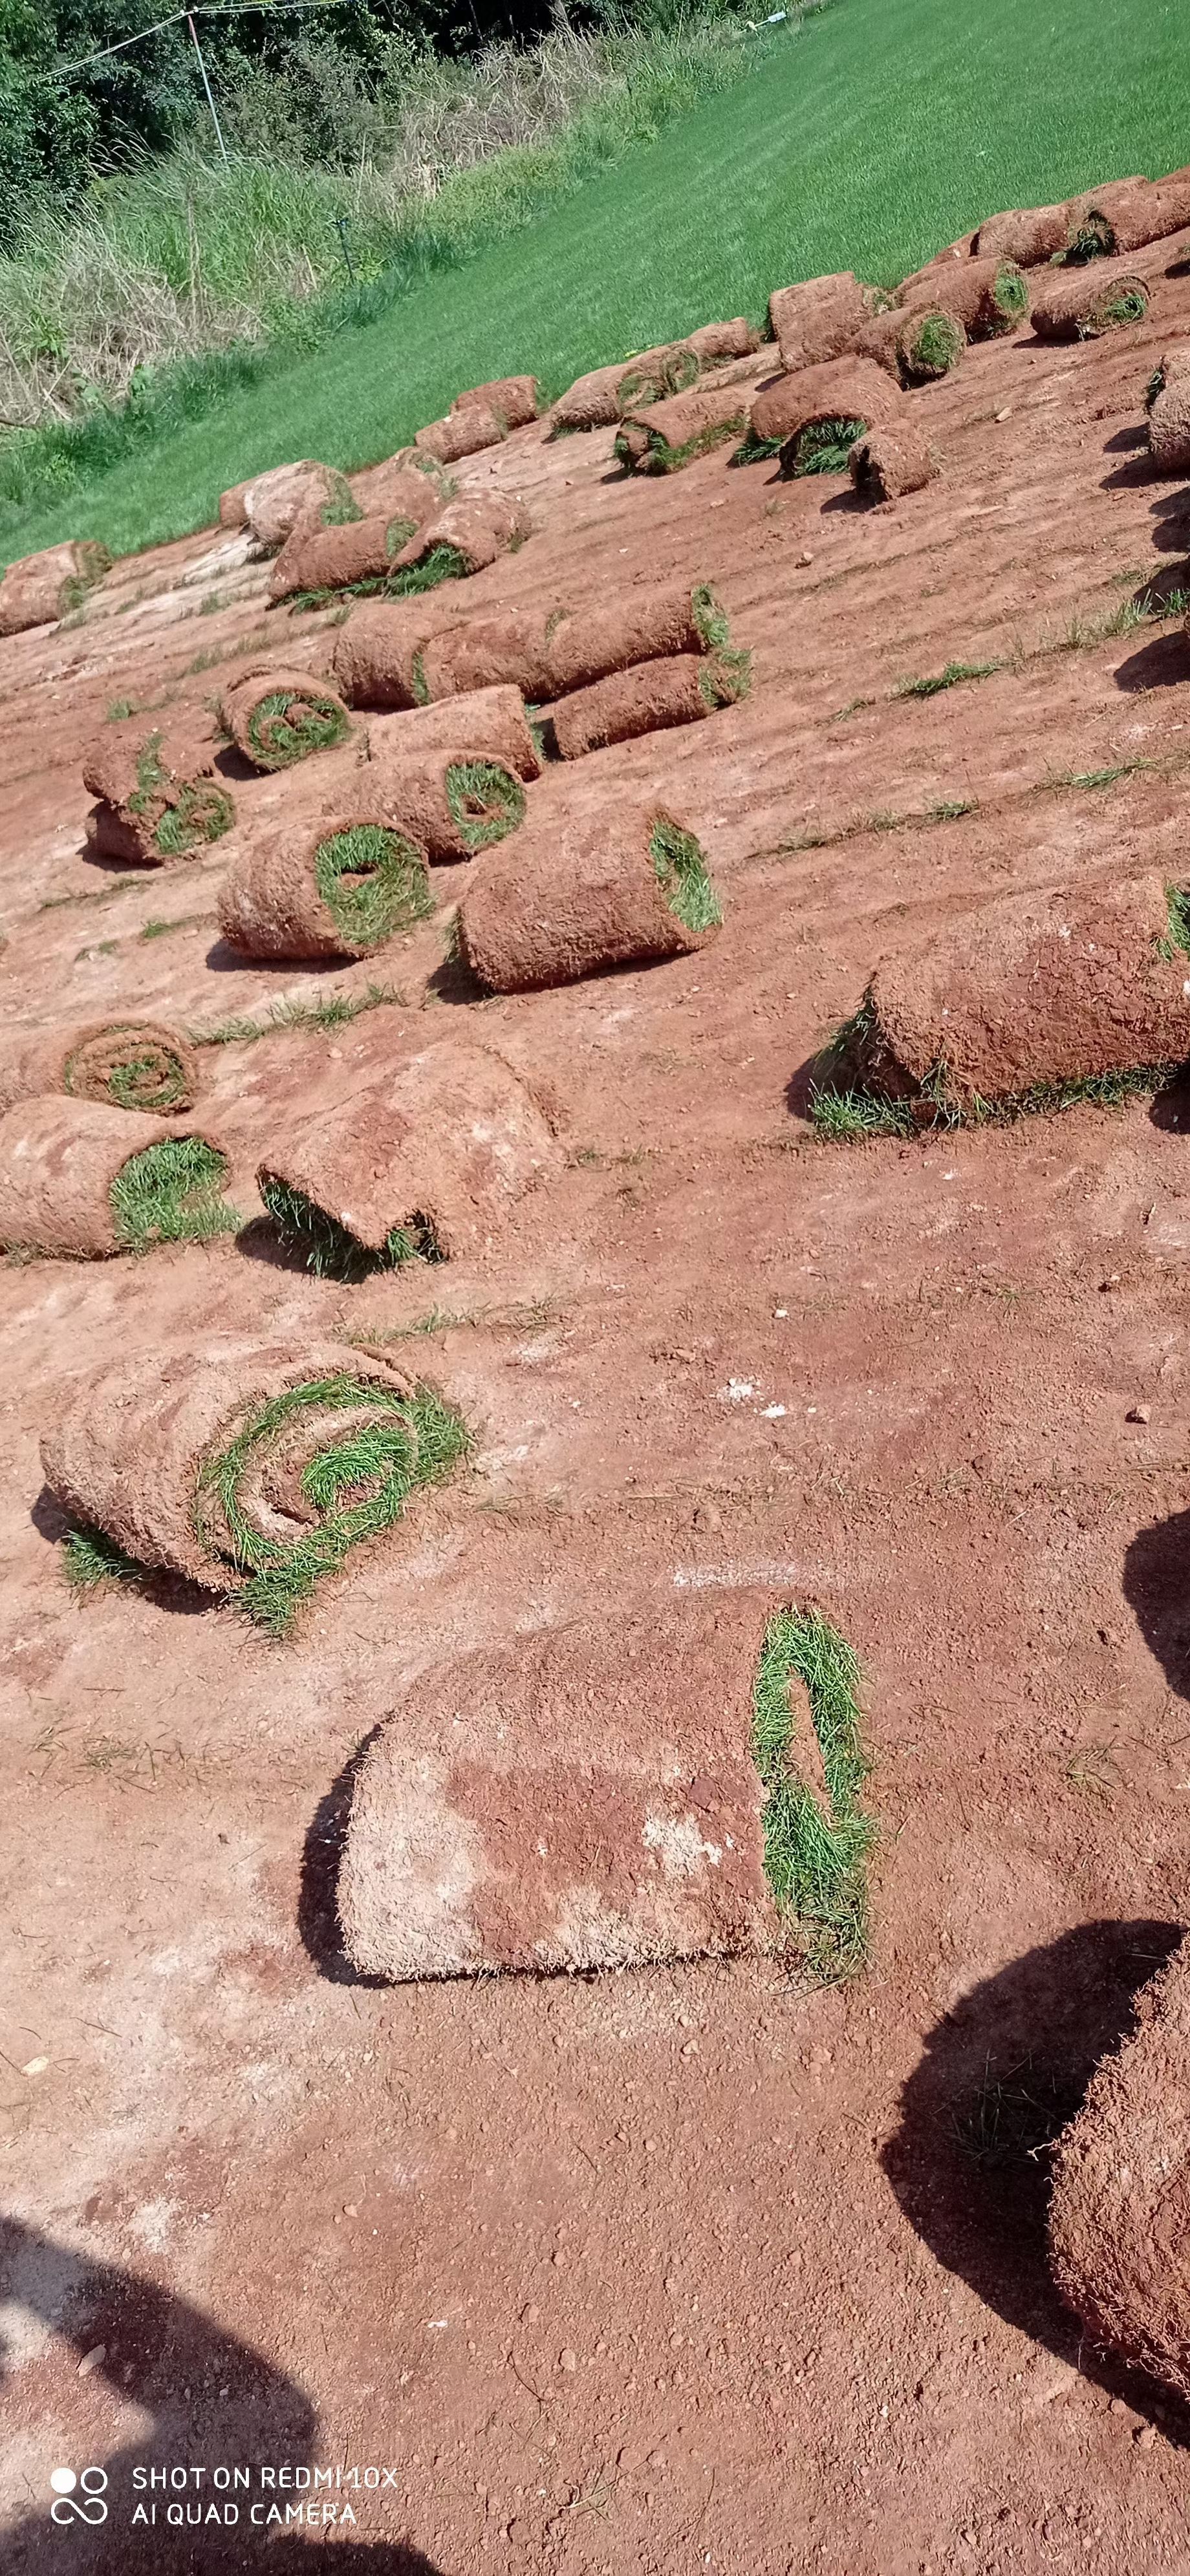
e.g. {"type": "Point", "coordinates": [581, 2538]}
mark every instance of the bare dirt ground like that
{"type": "Point", "coordinates": [667, 2270]}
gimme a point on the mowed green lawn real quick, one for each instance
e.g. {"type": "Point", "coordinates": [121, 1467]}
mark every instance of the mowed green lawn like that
{"type": "Point", "coordinates": [866, 141]}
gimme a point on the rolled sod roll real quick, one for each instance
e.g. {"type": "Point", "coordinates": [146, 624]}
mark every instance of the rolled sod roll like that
{"type": "Point", "coordinates": [512, 400]}
{"type": "Point", "coordinates": [591, 402]}
{"type": "Point", "coordinates": [1029, 992]}
{"type": "Point", "coordinates": [462, 538]}
{"type": "Point", "coordinates": [577, 893]}
{"type": "Point", "coordinates": [276, 716]}
{"type": "Point", "coordinates": [400, 489]}
{"type": "Point", "coordinates": [426, 1161]}
{"type": "Point", "coordinates": [657, 373]}
{"type": "Point", "coordinates": [462, 433]}
{"type": "Point", "coordinates": [1084, 303]}
{"type": "Point", "coordinates": [988, 296]}
{"type": "Point", "coordinates": [1121, 218]}
{"type": "Point", "coordinates": [644, 625]}
{"type": "Point", "coordinates": [315, 561]}
{"type": "Point", "coordinates": [449, 803]}
{"type": "Point", "coordinates": [665, 436]}
{"type": "Point", "coordinates": [1172, 364]}
{"type": "Point", "coordinates": [335, 883]}
{"type": "Point", "coordinates": [582, 1799]}
{"type": "Point", "coordinates": [41, 588]}
{"type": "Point", "coordinates": [1026, 237]}
{"type": "Point", "coordinates": [108, 838]}
{"type": "Point", "coordinates": [917, 348]}
{"type": "Point", "coordinates": [1169, 425]}
{"type": "Point", "coordinates": [844, 398]}
{"type": "Point", "coordinates": [887, 463]}
{"type": "Point", "coordinates": [483, 723]}
{"type": "Point", "coordinates": [386, 657]}
{"type": "Point", "coordinates": [1120, 2184]}
{"type": "Point", "coordinates": [821, 318]}
{"type": "Point", "coordinates": [249, 1466]}
{"type": "Point", "coordinates": [78, 1181]}
{"type": "Point", "coordinates": [714, 342]}
{"type": "Point", "coordinates": [159, 787]}
{"type": "Point", "coordinates": [678, 689]}
{"type": "Point", "coordinates": [232, 513]}
{"type": "Point", "coordinates": [274, 502]}
{"type": "Point", "coordinates": [125, 1064]}
{"type": "Point", "coordinates": [933, 275]}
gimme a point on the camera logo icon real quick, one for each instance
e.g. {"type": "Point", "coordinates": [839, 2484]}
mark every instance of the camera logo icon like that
{"type": "Point", "coordinates": [79, 2496]}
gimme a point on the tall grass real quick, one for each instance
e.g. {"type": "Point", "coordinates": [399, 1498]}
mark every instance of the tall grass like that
{"type": "Point", "coordinates": [191, 255]}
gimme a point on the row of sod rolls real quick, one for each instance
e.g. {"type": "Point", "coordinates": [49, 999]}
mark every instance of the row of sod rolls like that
{"type": "Point", "coordinates": [395, 554]}
{"type": "Point", "coordinates": [701, 1773]}
{"type": "Point", "coordinates": [1031, 1002]}
{"type": "Point", "coordinates": [425, 1158]}
{"type": "Point", "coordinates": [251, 1468]}
{"type": "Point", "coordinates": [662, 655]}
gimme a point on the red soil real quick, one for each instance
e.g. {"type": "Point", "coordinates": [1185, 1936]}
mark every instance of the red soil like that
{"type": "Point", "coordinates": [687, 2267]}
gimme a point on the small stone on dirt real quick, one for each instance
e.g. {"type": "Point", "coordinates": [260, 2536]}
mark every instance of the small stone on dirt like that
{"type": "Point", "coordinates": [1139, 1413]}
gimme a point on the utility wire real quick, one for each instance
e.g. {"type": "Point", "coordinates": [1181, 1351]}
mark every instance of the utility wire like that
{"type": "Point", "coordinates": [203, 9]}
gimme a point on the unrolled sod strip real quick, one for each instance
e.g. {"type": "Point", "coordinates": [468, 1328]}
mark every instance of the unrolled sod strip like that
{"type": "Point", "coordinates": [988, 296]}
{"type": "Point", "coordinates": [159, 786]}
{"type": "Point", "coordinates": [575, 894]}
{"type": "Point", "coordinates": [248, 1466]}
{"type": "Point", "coordinates": [1121, 2173]}
{"type": "Point", "coordinates": [1084, 303]}
{"type": "Point", "coordinates": [124, 1064]}
{"type": "Point", "coordinates": [579, 1800]}
{"type": "Point", "coordinates": [842, 398]}
{"type": "Point", "coordinates": [276, 716]}
{"type": "Point", "coordinates": [668, 435]}
{"type": "Point", "coordinates": [484, 724]}
{"type": "Point", "coordinates": [1027, 998]}
{"type": "Point", "coordinates": [41, 588]}
{"type": "Point", "coordinates": [78, 1180]}
{"type": "Point", "coordinates": [335, 883]}
{"type": "Point", "coordinates": [427, 1160]}
{"type": "Point", "coordinates": [681, 688]}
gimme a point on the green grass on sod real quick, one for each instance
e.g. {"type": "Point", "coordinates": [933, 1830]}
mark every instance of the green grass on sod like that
{"type": "Point", "coordinates": [865, 141]}
{"type": "Point", "coordinates": [815, 1850]}
{"type": "Point", "coordinates": [359, 1484]}
{"type": "Point", "coordinates": [331, 1250]}
{"type": "Point", "coordinates": [682, 874]}
{"type": "Point", "coordinates": [172, 1193]}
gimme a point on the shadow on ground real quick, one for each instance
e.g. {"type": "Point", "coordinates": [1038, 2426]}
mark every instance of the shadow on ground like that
{"type": "Point", "coordinates": [1002, 2074]}
{"type": "Point", "coordinates": [1155, 1567]}
{"type": "Point", "coordinates": [318, 1907]}
{"type": "Point", "coordinates": [211, 2399]}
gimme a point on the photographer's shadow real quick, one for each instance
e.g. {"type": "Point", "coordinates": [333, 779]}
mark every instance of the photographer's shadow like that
{"type": "Point", "coordinates": [211, 2399]}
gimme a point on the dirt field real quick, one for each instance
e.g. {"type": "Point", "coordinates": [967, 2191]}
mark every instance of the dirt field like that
{"type": "Point", "coordinates": [664, 2270]}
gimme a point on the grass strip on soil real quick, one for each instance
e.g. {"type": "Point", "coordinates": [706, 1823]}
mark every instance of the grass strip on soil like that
{"type": "Point", "coordinates": [815, 1849]}
{"type": "Point", "coordinates": [334, 1012]}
